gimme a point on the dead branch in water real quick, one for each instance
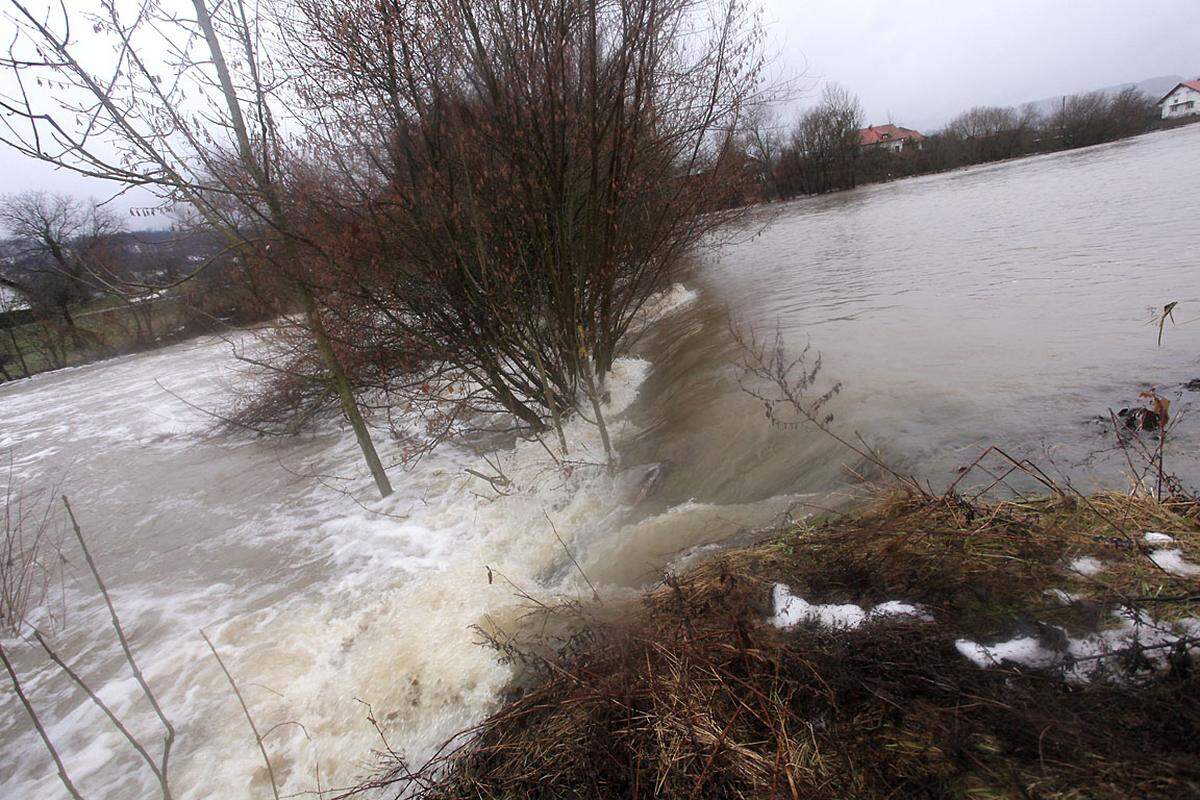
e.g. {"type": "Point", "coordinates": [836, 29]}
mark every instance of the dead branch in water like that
{"type": "Point", "coordinates": [258, 739]}
{"type": "Point", "coordinates": [37, 724]}
{"type": "Point", "coordinates": [570, 555]}
{"type": "Point", "coordinates": [30, 554]}
{"type": "Point", "coordinates": [792, 379]}
{"type": "Point", "coordinates": [169, 737]}
{"type": "Point", "coordinates": [108, 712]}
{"type": "Point", "coordinates": [159, 767]}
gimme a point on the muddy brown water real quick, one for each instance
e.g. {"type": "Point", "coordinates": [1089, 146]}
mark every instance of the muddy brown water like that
{"type": "Point", "coordinates": [1000, 304]}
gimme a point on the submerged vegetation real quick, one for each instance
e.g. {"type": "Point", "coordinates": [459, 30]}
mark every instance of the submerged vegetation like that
{"type": "Point", "coordinates": [693, 692]}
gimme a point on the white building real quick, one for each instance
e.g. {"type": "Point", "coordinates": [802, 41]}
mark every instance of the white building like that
{"type": "Point", "coordinates": [11, 301]}
{"type": "Point", "coordinates": [1181, 101]}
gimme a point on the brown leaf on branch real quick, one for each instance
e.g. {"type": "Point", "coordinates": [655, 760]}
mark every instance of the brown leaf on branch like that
{"type": "Point", "coordinates": [1159, 405]}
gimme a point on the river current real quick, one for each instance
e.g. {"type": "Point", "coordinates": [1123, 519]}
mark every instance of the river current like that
{"type": "Point", "coordinates": [1007, 304]}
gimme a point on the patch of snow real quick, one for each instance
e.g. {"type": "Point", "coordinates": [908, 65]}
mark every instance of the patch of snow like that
{"type": "Point", "coordinates": [1154, 537]}
{"type": "Point", "coordinates": [896, 608]}
{"type": "Point", "coordinates": [791, 611]}
{"type": "Point", "coordinates": [1173, 562]}
{"type": "Point", "coordinates": [1083, 659]}
{"type": "Point", "coordinates": [1066, 598]}
{"type": "Point", "coordinates": [1086, 565]}
{"type": "Point", "coordinates": [1024, 650]}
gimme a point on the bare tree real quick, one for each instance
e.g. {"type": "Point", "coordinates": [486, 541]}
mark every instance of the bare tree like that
{"type": "Point", "coordinates": [62, 247]}
{"type": "Point", "coordinates": [492, 190]}
{"type": "Point", "coordinates": [197, 124]}
{"type": "Point", "coordinates": [823, 151]}
{"type": "Point", "coordinates": [764, 144]}
{"type": "Point", "coordinates": [1131, 111]}
{"type": "Point", "coordinates": [991, 133]}
{"type": "Point", "coordinates": [504, 184]}
{"type": "Point", "coordinates": [1082, 119]}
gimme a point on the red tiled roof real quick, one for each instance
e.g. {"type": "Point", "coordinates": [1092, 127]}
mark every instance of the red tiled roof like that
{"type": "Point", "coordinates": [1189, 84]}
{"type": "Point", "coordinates": [887, 133]}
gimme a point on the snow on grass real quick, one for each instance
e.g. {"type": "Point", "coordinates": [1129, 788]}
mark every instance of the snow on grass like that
{"type": "Point", "coordinates": [791, 611]}
{"type": "Point", "coordinates": [1173, 562]}
{"type": "Point", "coordinates": [1027, 651]}
{"type": "Point", "coordinates": [1086, 565]}
{"type": "Point", "coordinates": [1154, 537]}
{"type": "Point", "coordinates": [1088, 657]}
{"type": "Point", "coordinates": [1064, 597]}
{"type": "Point", "coordinates": [896, 608]}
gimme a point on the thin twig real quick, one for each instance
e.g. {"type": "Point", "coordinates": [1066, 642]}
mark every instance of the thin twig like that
{"type": "Point", "coordinates": [570, 555]}
{"type": "Point", "coordinates": [245, 710]}
{"type": "Point", "coordinates": [137, 672]}
{"type": "Point", "coordinates": [37, 723]}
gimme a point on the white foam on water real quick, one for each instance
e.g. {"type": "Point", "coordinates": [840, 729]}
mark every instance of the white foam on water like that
{"type": "Point", "coordinates": [674, 298]}
{"type": "Point", "coordinates": [316, 593]}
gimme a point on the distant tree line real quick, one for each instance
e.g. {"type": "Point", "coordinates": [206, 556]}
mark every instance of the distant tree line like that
{"type": "Point", "coordinates": [76, 286]}
{"type": "Point", "coordinates": [820, 151]}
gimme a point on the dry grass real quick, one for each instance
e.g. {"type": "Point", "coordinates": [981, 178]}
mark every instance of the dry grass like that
{"type": "Point", "coordinates": [691, 693]}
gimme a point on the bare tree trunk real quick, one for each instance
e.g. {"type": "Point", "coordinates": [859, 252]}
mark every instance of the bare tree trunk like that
{"type": "Point", "coordinates": [12, 335]}
{"type": "Point", "coordinates": [341, 384]}
{"type": "Point", "coordinates": [551, 403]}
{"type": "Point", "coordinates": [337, 373]}
{"type": "Point", "coordinates": [585, 366]}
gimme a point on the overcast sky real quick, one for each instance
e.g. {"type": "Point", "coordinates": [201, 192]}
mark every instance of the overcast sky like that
{"type": "Point", "coordinates": [918, 62]}
{"type": "Point", "coordinates": [923, 61]}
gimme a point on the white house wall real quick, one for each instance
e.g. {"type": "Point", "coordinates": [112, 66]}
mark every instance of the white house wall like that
{"type": "Point", "coordinates": [1182, 94]}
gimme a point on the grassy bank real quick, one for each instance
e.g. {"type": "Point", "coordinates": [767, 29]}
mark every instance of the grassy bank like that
{"type": "Point", "coordinates": [104, 329]}
{"type": "Point", "coordinates": [694, 692]}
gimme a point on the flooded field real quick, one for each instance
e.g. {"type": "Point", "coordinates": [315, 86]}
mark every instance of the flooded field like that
{"type": "Point", "coordinates": [1001, 304]}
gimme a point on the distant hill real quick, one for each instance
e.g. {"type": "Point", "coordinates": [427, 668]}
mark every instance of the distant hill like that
{"type": "Point", "coordinates": [1155, 87]}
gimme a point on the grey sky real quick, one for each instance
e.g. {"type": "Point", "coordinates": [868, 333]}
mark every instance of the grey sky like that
{"type": "Point", "coordinates": [919, 61]}
{"type": "Point", "coordinates": [925, 60]}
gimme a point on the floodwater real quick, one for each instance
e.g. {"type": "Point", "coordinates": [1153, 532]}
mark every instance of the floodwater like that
{"type": "Point", "coordinates": [1005, 304]}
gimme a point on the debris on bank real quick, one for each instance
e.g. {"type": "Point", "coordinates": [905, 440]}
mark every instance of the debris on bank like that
{"type": "Point", "coordinates": [920, 647]}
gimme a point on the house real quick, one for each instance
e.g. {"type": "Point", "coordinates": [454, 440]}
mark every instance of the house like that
{"type": "Point", "coordinates": [888, 137]}
{"type": "Point", "coordinates": [14, 310]}
{"type": "Point", "coordinates": [1181, 101]}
